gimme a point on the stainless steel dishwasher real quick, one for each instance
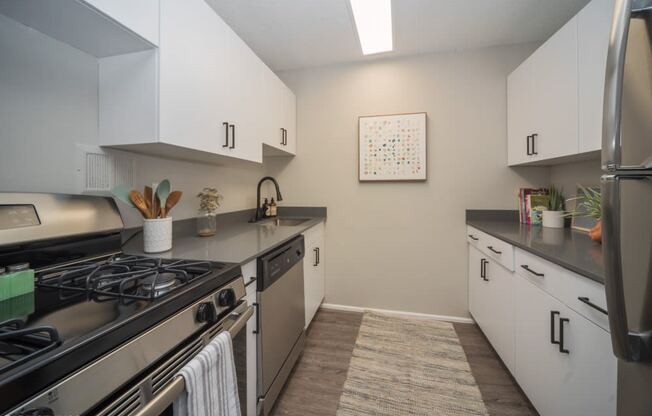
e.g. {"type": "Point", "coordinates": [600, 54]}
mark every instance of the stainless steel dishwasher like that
{"type": "Point", "coordinates": [281, 318]}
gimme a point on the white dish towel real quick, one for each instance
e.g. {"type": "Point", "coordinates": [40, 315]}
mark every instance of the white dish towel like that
{"type": "Point", "coordinates": [211, 384]}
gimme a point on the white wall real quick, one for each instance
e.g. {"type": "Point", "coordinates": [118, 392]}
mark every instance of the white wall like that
{"type": "Point", "coordinates": [48, 103]}
{"type": "Point", "coordinates": [401, 246]}
{"type": "Point", "coordinates": [569, 175]}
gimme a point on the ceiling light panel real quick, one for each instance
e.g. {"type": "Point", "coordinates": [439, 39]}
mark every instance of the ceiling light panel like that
{"type": "Point", "coordinates": [373, 20]}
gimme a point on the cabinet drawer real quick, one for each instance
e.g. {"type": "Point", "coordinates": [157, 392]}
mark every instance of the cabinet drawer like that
{"type": "Point", "coordinates": [542, 273]}
{"type": "Point", "coordinates": [493, 247]}
{"type": "Point", "coordinates": [473, 236]}
{"type": "Point", "coordinates": [498, 250]}
{"type": "Point", "coordinates": [587, 298]}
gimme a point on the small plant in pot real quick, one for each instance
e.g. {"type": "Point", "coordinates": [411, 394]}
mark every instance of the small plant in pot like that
{"type": "Point", "coordinates": [554, 216]}
{"type": "Point", "coordinates": [589, 204]}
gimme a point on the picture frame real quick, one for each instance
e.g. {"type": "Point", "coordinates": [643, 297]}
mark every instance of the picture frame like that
{"type": "Point", "coordinates": [392, 148]}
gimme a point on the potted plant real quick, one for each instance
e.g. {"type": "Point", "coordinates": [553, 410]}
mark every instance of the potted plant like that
{"type": "Point", "coordinates": [554, 216]}
{"type": "Point", "coordinates": [209, 202]}
{"type": "Point", "coordinates": [589, 204]}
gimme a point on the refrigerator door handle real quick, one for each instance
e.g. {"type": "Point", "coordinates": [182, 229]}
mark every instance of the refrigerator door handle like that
{"type": "Point", "coordinates": [627, 345]}
{"type": "Point", "coordinates": [613, 86]}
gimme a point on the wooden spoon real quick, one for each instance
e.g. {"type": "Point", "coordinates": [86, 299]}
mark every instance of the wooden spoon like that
{"type": "Point", "coordinates": [172, 200]}
{"type": "Point", "coordinates": [139, 201]}
{"type": "Point", "coordinates": [149, 200]}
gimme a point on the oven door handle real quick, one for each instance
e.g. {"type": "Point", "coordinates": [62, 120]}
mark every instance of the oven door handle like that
{"type": "Point", "coordinates": [175, 388]}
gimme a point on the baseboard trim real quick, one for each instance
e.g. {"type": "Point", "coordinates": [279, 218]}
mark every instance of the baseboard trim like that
{"type": "Point", "coordinates": [457, 319]}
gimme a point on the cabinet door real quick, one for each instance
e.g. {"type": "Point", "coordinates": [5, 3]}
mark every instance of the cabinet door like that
{"type": "Point", "coordinates": [252, 353]}
{"type": "Point", "coordinates": [313, 271]}
{"type": "Point", "coordinates": [141, 17]}
{"type": "Point", "coordinates": [537, 361]}
{"type": "Point", "coordinates": [520, 101]}
{"type": "Point", "coordinates": [478, 290]}
{"type": "Point", "coordinates": [554, 75]}
{"type": "Point", "coordinates": [290, 117]}
{"type": "Point", "coordinates": [593, 27]}
{"type": "Point", "coordinates": [500, 314]}
{"type": "Point", "coordinates": [589, 377]}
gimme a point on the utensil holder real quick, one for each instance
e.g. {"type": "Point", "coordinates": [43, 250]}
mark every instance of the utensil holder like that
{"type": "Point", "coordinates": [157, 235]}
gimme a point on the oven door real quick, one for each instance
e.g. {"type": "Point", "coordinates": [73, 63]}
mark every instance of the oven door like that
{"type": "Point", "coordinates": [161, 387]}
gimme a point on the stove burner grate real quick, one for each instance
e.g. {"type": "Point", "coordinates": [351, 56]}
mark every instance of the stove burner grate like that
{"type": "Point", "coordinates": [19, 344]}
{"type": "Point", "coordinates": [130, 277]}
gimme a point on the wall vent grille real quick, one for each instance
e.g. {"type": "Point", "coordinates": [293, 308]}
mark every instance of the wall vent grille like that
{"type": "Point", "coordinates": [100, 170]}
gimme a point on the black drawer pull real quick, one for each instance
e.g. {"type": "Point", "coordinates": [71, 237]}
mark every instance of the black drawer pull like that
{"type": "Point", "coordinates": [251, 280]}
{"type": "Point", "coordinates": [494, 250]}
{"type": "Point", "coordinates": [586, 300]}
{"type": "Point", "coordinates": [552, 327]}
{"type": "Point", "coordinates": [257, 330]}
{"type": "Point", "coordinates": [472, 237]}
{"type": "Point", "coordinates": [226, 134]}
{"type": "Point", "coordinates": [561, 335]}
{"type": "Point", "coordinates": [232, 136]}
{"type": "Point", "coordinates": [525, 266]}
{"type": "Point", "coordinates": [529, 152]}
{"type": "Point", "coordinates": [316, 249]}
{"type": "Point", "coordinates": [534, 138]}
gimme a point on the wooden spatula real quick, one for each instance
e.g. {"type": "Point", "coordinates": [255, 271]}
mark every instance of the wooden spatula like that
{"type": "Point", "coordinates": [149, 200]}
{"type": "Point", "coordinates": [139, 201]}
{"type": "Point", "coordinates": [172, 200]}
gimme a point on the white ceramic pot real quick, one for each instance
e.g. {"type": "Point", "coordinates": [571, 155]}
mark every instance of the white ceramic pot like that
{"type": "Point", "coordinates": [157, 235]}
{"type": "Point", "coordinates": [553, 219]}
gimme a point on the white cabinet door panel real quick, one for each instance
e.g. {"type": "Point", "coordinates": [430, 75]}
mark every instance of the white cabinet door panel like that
{"type": "Point", "coordinates": [313, 271]}
{"type": "Point", "coordinates": [500, 311]}
{"type": "Point", "coordinates": [520, 123]}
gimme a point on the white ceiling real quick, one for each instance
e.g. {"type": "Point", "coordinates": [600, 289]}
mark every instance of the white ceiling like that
{"type": "Point", "coordinates": [289, 34]}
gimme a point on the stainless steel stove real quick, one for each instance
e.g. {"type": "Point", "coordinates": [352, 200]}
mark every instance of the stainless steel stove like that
{"type": "Point", "coordinates": [103, 332]}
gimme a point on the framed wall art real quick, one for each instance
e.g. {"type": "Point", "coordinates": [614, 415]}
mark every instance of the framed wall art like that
{"type": "Point", "coordinates": [392, 147]}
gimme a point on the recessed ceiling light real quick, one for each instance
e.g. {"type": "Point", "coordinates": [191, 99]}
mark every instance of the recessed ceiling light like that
{"type": "Point", "coordinates": [373, 20]}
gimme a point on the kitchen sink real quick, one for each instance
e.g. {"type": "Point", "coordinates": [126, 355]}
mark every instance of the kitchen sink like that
{"type": "Point", "coordinates": [285, 222]}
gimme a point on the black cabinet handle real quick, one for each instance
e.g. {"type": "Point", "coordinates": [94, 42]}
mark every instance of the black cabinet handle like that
{"type": "Point", "coordinates": [472, 237]}
{"type": "Point", "coordinates": [282, 135]}
{"type": "Point", "coordinates": [285, 137]}
{"type": "Point", "coordinates": [552, 327]}
{"type": "Point", "coordinates": [494, 250]}
{"type": "Point", "coordinates": [226, 134]}
{"type": "Point", "coordinates": [529, 152]}
{"type": "Point", "coordinates": [316, 249]}
{"type": "Point", "coordinates": [561, 335]}
{"type": "Point", "coordinates": [232, 136]}
{"type": "Point", "coordinates": [534, 146]}
{"type": "Point", "coordinates": [525, 266]}
{"type": "Point", "coordinates": [586, 300]}
{"type": "Point", "coordinates": [483, 269]}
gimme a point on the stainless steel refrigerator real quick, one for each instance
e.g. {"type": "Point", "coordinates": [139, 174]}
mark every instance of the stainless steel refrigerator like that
{"type": "Point", "coordinates": [627, 201]}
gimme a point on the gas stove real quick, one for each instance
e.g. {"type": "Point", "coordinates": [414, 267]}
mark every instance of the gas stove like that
{"type": "Point", "coordinates": [89, 298]}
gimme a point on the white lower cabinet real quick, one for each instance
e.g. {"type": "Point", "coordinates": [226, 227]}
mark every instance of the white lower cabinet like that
{"type": "Point", "coordinates": [491, 303]}
{"type": "Point", "coordinates": [561, 359]}
{"type": "Point", "coordinates": [313, 270]}
{"type": "Point", "coordinates": [249, 275]}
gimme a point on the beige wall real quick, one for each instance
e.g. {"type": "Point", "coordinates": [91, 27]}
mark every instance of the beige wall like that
{"type": "Point", "coordinates": [401, 246]}
{"type": "Point", "coordinates": [569, 175]}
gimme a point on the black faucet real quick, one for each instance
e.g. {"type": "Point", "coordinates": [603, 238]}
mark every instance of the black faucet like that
{"type": "Point", "coordinates": [259, 212]}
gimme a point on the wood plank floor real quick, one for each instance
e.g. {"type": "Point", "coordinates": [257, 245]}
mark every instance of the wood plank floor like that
{"type": "Point", "coordinates": [316, 383]}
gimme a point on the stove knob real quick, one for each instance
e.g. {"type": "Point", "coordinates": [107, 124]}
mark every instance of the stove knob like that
{"type": "Point", "coordinates": [226, 298]}
{"type": "Point", "coordinates": [206, 312]}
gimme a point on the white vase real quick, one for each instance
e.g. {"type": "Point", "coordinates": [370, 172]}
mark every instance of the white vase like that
{"type": "Point", "coordinates": [553, 219]}
{"type": "Point", "coordinates": [157, 235]}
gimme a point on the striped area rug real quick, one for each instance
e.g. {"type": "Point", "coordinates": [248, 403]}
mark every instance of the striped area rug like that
{"type": "Point", "coordinates": [403, 366]}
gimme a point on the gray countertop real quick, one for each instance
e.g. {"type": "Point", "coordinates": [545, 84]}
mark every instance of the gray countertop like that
{"type": "Point", "coordinates": [236, 241]}
{"type": "Point", "coordinates": [568, 248]}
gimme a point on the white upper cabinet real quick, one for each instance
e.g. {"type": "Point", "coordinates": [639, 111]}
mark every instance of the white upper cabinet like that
{"type": "Point", "coordinates": [594, 25]}
{"type": "Point", "coordinates": [555, 97]}
{"type": "Point", "coordinates": [283, 140]}
{"type": "Point", "coordinates": [203, 95]}
{"type": "Point", "coordinates": [520, 114]}
{"type": "Point", "coordinates": [554, 69]}
{"type": "Point", "coordinates": [141, 16]}
{"type": "Point", "coordinates": [542, 101]}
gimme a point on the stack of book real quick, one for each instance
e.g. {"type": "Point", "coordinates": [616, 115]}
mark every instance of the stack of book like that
{"type": "Point", "coordinates": [531, 202]}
